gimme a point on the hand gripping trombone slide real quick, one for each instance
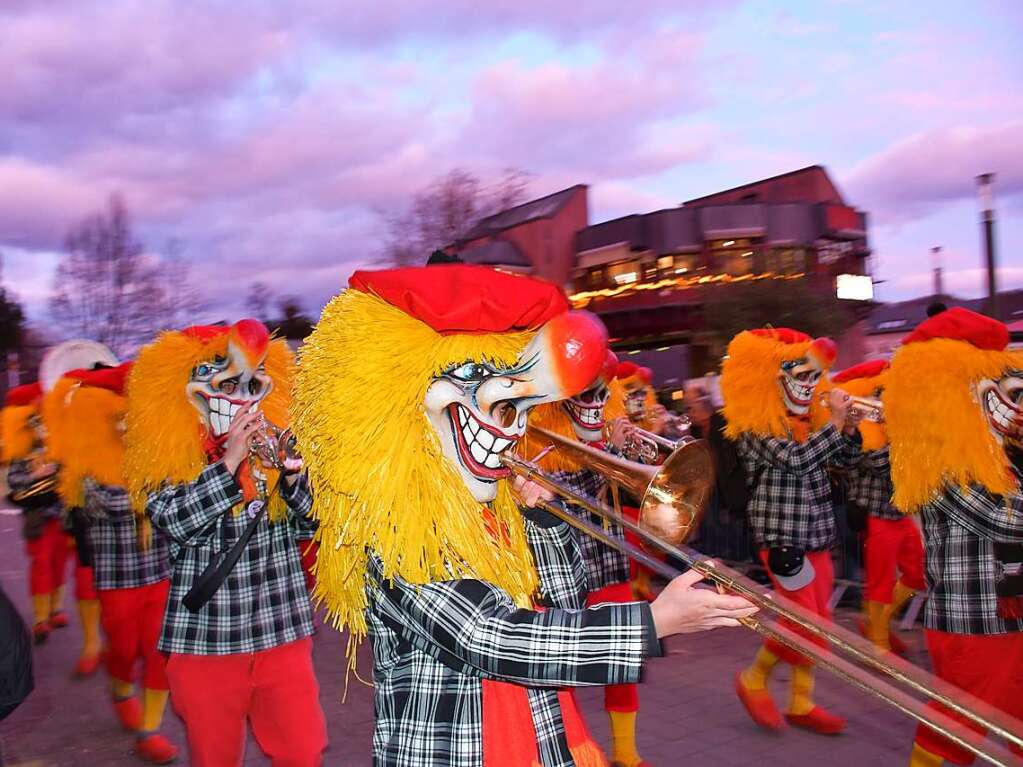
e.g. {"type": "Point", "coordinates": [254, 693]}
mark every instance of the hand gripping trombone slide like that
{"type": "Point", "coordinates": [675, 484]}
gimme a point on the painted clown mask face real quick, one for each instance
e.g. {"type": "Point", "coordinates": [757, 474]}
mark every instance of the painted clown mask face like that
{"type": "Point", "coordinates": [221, 387]}
{"type": "Point", "coordinates": [479, 409]}
{"type": "Point", "coordinates": [586, 411]}
{"type": "Point", "coordinates": [798, 380]}
{"type": "Point", "coordinates": [635, 400]}
{"type": "Point", "coordinates": [1002, 402]}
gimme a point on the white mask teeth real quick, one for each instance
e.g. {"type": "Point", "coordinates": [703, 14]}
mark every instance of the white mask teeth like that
{"type": "Point", "coordinates": [485, 447]}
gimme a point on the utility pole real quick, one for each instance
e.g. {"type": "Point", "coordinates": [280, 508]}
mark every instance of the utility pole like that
{"type": "Point", "coordinates": [985, 182]}
{"type": "Point", "coordinates": [939, 283]}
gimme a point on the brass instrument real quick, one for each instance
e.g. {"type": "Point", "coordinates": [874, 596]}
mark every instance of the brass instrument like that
{"type": "Point", "coordinates": [684, 483]}
{"type": "Point", "coordinates": [864, 408]}
{"type": "Point", "coordinates": [273, 446]}
{"type": "Point", "coordinates": [647, 446]}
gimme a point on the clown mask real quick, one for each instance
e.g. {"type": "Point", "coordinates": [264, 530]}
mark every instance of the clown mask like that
{"type": "Point", "coordinates": [479, 410]}
{"type": "Point", "coordinates": [586, 409]}
{"type": "Point", "coordinates": [1002, 402]}
{"type": "Point", "coordinates": [219, 388]}
{"type": "Point", "coordinates": [798, 378]}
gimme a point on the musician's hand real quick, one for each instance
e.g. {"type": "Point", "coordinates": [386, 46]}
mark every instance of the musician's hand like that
{"type": "Point", "coordinates": [292, 468]}
{"type": "Point", "coordinates": [243, 426]}
{"type": "Point", "coordinates": [838, 405]}
{"type": "Point", "coordinates": [620, 431]}
{"type": "Point", "coordinates": [530, 493]}
{"type": "Point", "coordinates": [682, 608]}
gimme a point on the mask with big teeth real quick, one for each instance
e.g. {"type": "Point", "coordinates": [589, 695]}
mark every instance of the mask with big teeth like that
{"type": "Point", "coordinates": [798, 380]}
{"type": "Point", "coordinates": [219, 388]}
{"type": "Point", "coordinates": [1002, 403]}
{"type": "Point", "coordinates": [479, 410]}
{"type": "Point", "coordinates": [586, 409]}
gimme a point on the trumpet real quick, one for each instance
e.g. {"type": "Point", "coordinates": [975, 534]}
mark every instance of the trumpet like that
{"type": "Point", "coordinates": [274, 446]}
{"type": "Point", "coordinates": [682, 484]}
{"type": "Point", "coordinates": [863, 408]}
{"type": "Point", "coordinates": [647, 446]}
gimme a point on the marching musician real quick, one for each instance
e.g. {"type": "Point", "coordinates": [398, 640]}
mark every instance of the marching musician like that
{"type": "Point", "coordinates": [131, 571]}
{"type": "Point", "coordinates": [202, 403]}
{"type": "Point", "coordinates": [413, 385]}
{"type": "Point", "coordinates": [953, 405]}
{"type": "Point", "coordinates": [33, 487]}
{"type": "Point", "coordinates": [768, 381]}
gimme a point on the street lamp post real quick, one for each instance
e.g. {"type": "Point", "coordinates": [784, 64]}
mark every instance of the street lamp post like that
{"type": "Point", "coordinates": [985, 181]}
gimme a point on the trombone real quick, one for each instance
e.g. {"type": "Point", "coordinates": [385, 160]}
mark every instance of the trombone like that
{"type": "Point", "coordinates": [680, 488]}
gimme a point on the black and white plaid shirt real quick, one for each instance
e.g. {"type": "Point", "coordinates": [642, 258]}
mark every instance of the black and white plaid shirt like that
{"type": "Point", "coordinates": [790, 490]}
{"type": "Point", "coordinates": [264, 602]}
{"type": "Point", "coordinates": [433, 645]}
{"type": "Point", "coordinates": [118, 562]}
{"type": "Point", "coordinates": [19, 480]}
{"type": "Point", "coordinates": [972, 538]}
{"type": "Point", "coordinates": [869, 484]}
{"type": "Point", "coordinates": [604, 565]}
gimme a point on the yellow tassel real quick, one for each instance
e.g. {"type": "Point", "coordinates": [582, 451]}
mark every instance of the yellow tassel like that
{"type": "Point", "coordinates": [588, 754]}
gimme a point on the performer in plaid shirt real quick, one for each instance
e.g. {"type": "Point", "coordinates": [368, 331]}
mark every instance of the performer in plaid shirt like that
{"type": "Point", "coordinates": [607, 570]}
{"type": "Point", "coordinates": [245, 654]}
{"type": "Point", "coordinates": [893, 548]}
{"type": "Point", "coordinates": [768, 381]}
{"type": "Point", "coordinates": [954, 408]}
{"type": "Point", "coordinates": [32, 482]}
{"type": "Point", "coordinates": [131, 577]}
{"type": "Point", "coordinates": [413, 384]}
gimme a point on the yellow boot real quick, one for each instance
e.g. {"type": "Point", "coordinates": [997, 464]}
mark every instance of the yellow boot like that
{"type": "Point", "coordinates": [803, 712]}
{"type": "Point", "coordinates": [92, 645]}
{"type": "Point", "coordinates": [623, 739]}
{"type": "Point", "coordinates": [878, 617]}
{"type": "Point", "coordinates": [924, 758]}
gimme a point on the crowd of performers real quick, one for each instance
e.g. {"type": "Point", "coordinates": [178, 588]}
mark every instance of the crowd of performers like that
{"type": "Point", "coordinates": [196, 514]}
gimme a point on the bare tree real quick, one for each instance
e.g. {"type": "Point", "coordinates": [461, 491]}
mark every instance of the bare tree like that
{"type": "Point", "coordinates": [109, 289]}
{"type": "Point", "coordinates": [444, 212]}
{"type": "Point", "coordinates": [258, 300]}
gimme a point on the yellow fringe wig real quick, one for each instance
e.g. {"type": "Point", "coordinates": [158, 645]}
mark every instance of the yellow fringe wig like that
{"type": "Point", "coordinates": [94, 446]}
{"type": "Point", "coordinates": [553, 417]}
{"type": "Point", "coordinates": [938, 431]}
{"type": "Point", "coordinates": [378, 472]}
{"type": "Point", "coordinates": [164, 437]}
{"type": "Point", "coordinates": [17, 438]}
{"type": "Point", "coordinates": [749, 385]}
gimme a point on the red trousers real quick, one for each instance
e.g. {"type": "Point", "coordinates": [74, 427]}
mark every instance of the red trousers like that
{"type": "Point", "coordinates": [814, 597]}
{"type": "Point", "coordinates": [47, 556]}
{"type": "Point", "coordinates": [132, 619]}
{"type": "Point", "coordinates": [84, 586]}
{"type": "Point", "coordinates": [307, 550]}
{"type": "Point", "coordinates": [276, 690]}
{"type": "Point", "coordinates": [989, 667]}
{"type": "Point", "coordinates": [894, 551]}
{"type": "Point", "coordinates": [617, 697]}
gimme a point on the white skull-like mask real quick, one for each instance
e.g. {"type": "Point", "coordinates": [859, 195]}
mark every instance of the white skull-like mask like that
{"type": "Point", "coordinates": [586, 411]}
{"type": "Point", "coordinates": [220, 387]}
{"type": "Point", "coordinates": [479, 410]}
{"type": "Point", "coordinates": [798, 380]}
{"type": "Point", "coordinates": [1002, 402]}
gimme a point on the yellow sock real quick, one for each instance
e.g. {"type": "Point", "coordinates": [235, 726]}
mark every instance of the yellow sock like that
{"type": "Point", "coordinates": [756, 676]}
{"type": "Point", "coordinates": [878, 616]}
{"type": "Point", "coordinates": [900, 595]}
{"type": "Point", "coordinates": [153, 704]}
{"type": "Point", "coordinates": [57, 600]}
{"type": "Point", "coordinates": [121, 688]}
{"type": "Point", "coordinates": [641, 584]}
{"type": "Point", "coordinates": [88, 612]}
{"type": "Point", "coordinates": [623, 738]}
{"type": "Point", "coordinates": [40, 608]}
{"type": "Point", "coordinates": [802, 690]}
{"type": "Point", "coordinates": [923, 758]}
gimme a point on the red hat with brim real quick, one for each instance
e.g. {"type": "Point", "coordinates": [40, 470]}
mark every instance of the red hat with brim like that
{"type": "Point", "coordinates": [958, 324]}
{"type": "Point", "coordinates": [111, 379]}
{"type": "Point", "coordinates": [863, 370]}
{"type": "Point", "coordinates": [462, 298]}
{"type": "Point", "coordinates": [25, 394]}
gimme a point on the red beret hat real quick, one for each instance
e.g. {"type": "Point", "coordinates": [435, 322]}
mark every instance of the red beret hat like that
{"type": "Point", "coordinates": [863, 370]}
{"type": "Point", "coordinates": [785, 335]}
{"type": "Point", "coordinates": [112, 379]}
{"type": "Point", "coordinates": [23, 395]}
{"type": "Point", "coordinates": [626, 369]}
{"type": "Point", "coordinates": [960, 324]}
{"type": "Point", "coordinates": [206, 333]}
{"type": "Point", "coordinates": [646, 374]}
{"type": "Point", "coordinates": [462, 298]}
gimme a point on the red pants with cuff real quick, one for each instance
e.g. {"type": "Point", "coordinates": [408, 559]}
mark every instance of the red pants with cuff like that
{"type": "Point", "coordinates": [617, 697]}
{"type": "Point", "coordinates": [989, 667]}
{"type": "Point", "coordinates": [276, 690]}
{"type": "Point", "coordinates": [47, 557]}
{"type": "Point", "coordinates": [132, 619]}
{"type": "Point", "coordinates": [84, 586]}
{"type": "Point", "coordinates": [894, 551]}
{"type": "Point", "coordinates": [814, 597]}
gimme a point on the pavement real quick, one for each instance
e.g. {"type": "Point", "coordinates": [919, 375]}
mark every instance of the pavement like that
{"type": "Point", "coordinates": [689, 713]}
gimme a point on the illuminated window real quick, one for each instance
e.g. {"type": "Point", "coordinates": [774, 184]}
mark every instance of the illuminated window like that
{"type": "Point", "coordinates": [666, 263]}
{"type": "Point", "coordinates": [624, 272]}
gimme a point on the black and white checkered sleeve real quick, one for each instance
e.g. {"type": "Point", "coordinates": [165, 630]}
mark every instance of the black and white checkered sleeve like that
{"type": "Point", "coordinates": [299, 498]}
{"type": "Point", "coordinates": [19, 475]}
{"type": "Point", "coordinates": [998, 519]}
{"type": "Point", "coordinates": [792, 456]}
{"type": "Point", "coordinates": [558, 560]}
{"type": "Point", "coordinates": [112, 501]}
{"type": "Point", "coordinates": [474, 623]}
{"type": "Point", "coordinates": [186, 513]}
{"type": "Point", "coordinates": [875, 461]}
